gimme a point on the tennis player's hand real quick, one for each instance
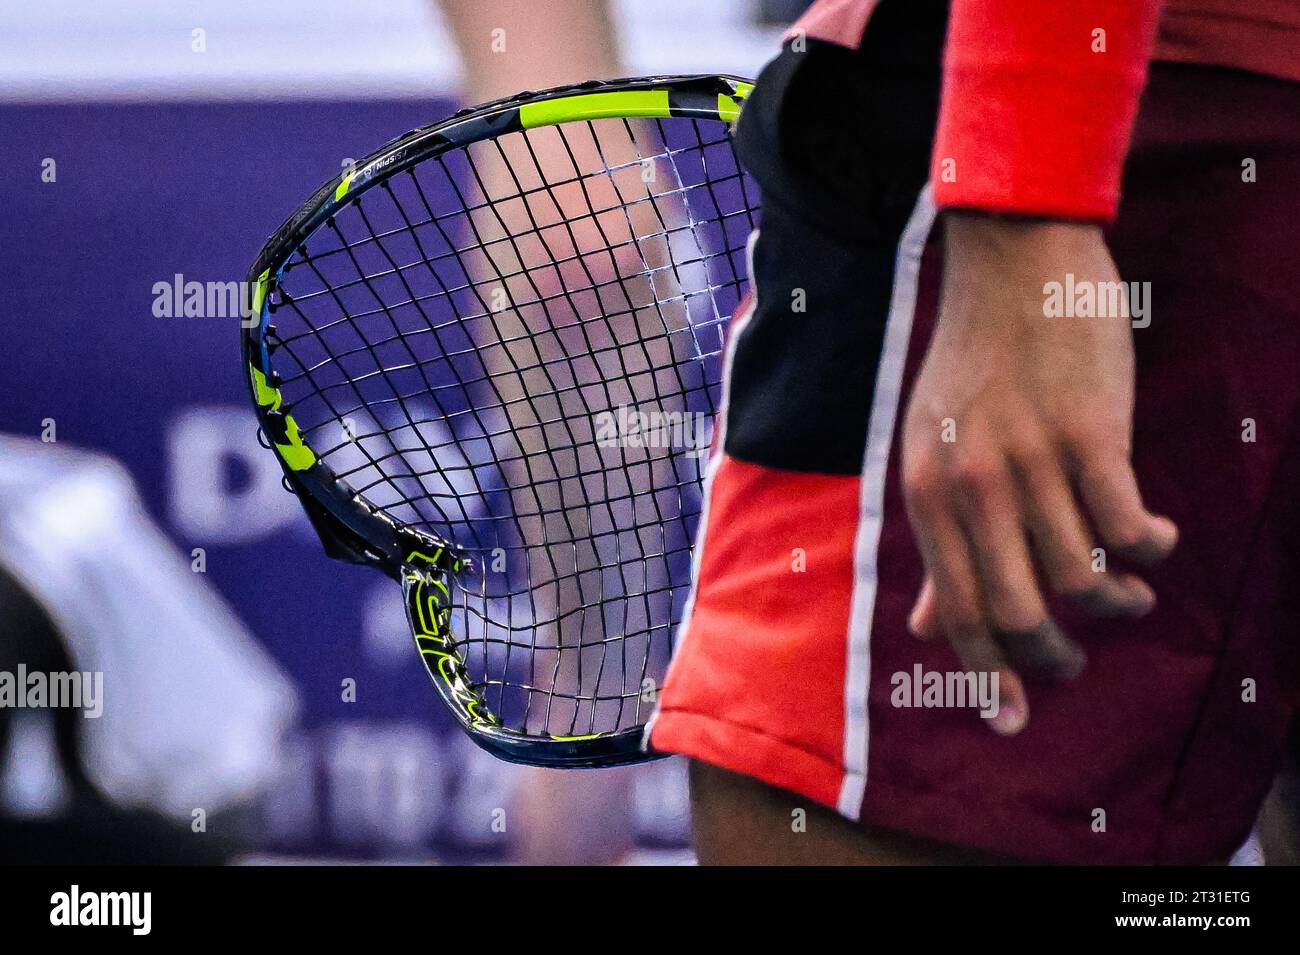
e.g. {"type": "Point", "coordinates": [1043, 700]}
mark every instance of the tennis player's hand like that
{"type": "Point", "coordinates": [1016, 456]}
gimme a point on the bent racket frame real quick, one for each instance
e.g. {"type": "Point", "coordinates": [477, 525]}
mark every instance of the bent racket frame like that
{"type": "Point", "coordinates": [350, 527]}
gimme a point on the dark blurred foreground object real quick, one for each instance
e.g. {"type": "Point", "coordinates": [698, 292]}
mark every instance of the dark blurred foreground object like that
{"type": "Point", "coordinates": [781, 12]}
{"type": "Point", "coordinates": [189, 710]}
{"type": "Point", "coordinates": [89, 830]}
{"type": "Point", "coordinates": [1279, 820]}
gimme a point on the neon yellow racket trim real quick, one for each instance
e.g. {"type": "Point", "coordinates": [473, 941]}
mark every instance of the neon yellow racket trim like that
{"type": "Point", "coordinates": [267, 396]}
{"type": "Point", "coordinates": [344, 184]}
{"type": "Point", "coordinates": [296, 454]}
{"type": "Point", "coordinates": [617, 105]}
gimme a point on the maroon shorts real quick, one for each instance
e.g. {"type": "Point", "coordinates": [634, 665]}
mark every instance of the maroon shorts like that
{"type": "Point", "coordinates": [1163, 749]}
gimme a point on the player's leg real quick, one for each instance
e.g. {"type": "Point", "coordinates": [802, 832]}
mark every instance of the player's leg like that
{"type": "Point", "coordinates": [738, 820]}
{"type": "Point", "coordinates": [590, 271]}
{"type": "Point", "coordinates": [595, 290]}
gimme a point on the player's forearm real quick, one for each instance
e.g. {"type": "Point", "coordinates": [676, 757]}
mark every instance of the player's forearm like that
{"type": "Point", "coordinates": [1038, 104]}
{"type": "Point", "coordinates": [511, 45]}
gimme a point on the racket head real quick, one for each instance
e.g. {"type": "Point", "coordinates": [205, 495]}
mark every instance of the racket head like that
{"type": "Point", "coordinates": [407, 524]}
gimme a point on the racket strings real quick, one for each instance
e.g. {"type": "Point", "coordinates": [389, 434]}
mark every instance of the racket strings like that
{"type": "Point", "coordinates": [447, 345]}
{"type": "Point", "coordinates": [550, 185]}
{"type": "Point", "coordinates": [681, 193]}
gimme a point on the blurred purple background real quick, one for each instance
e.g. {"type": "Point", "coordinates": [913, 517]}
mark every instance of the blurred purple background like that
{"type": "Point", "coordinates": [145, 192]}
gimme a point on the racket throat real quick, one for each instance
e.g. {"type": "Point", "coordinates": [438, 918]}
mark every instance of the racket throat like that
{"type": "Point", "coordinates": [427, 577]}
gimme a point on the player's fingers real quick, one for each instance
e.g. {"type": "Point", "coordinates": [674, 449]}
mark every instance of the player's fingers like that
{"type": "Point", "coordinates": [954, 590]}
{"type": "Point", "coordinates": [1010, 711]}
{"type": "Point", "coordinates": [1013, 604]}
{"type": "Point", "coordinates": [978, 653]}
{"type": "Point", "coordinates": [1116, 595]}
{"type": "Point", "coordinates": [922, 621]}
{"type": "Point", "coordinates": [1010, 707]}
{"type": "Point", "coordinates": [1110, 492]}
{"type": "Point", "coordinates": [957, 611]}
{"type": "Point", "coordinates": [1063, 545]}
{"type": "Point", "coordinates": [1044, 650]}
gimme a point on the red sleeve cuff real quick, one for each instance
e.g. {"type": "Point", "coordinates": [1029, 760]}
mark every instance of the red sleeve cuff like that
{"type": "Point", "coordinates": [1038, 106]}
